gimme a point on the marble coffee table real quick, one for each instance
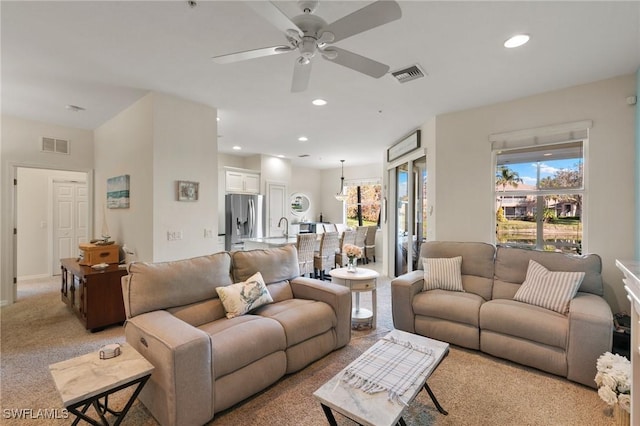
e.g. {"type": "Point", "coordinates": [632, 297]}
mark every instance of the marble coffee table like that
{"type": "Point", "coordinates": [84, 380]}
{"type": "Point", "coordinates": [375, 409]}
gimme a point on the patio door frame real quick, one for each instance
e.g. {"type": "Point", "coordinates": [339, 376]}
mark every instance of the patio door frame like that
{"type": "Point", "coordinates": [390, 208]}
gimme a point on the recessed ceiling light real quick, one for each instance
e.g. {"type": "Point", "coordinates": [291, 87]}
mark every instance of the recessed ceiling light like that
{"type": "Point", "coordinates": [319, 102]}
{"type": "Point", "coordinates": [75, 108]}
{"type": "Point", "coordinates": [217, 118]}
{"type": "Point", "coordinates": [547, 154]}
{"type": "Point", "coordinates": [303, 138]}
{"type": "Point", "coordinates": [237, 148]}
{"type": "Point", "coordinates": [280, 156]}
{"type": "Point", "coordinates": [516, 41]}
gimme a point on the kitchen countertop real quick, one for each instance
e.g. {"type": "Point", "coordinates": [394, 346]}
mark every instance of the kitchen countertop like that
{"type": "Point", "coordinates": [273, 241]}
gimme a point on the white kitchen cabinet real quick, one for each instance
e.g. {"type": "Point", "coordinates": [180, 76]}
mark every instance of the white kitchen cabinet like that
{"type": "Point", "coordinates": [242, 182]}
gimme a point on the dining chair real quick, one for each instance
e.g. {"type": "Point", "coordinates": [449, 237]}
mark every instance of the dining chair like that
{"type": "Point", "coordinates": [361, 235]}
{"type": "Point", "coordinates": [370, 244]}
{"type": "Point", "coordinates": [325, 259]}
{"type": "Point", "coordinates": [348, 237]}
{"type": "Point", "coordinates": [305, 245]}
{"type": "Point", "coordinates": [330, 227]}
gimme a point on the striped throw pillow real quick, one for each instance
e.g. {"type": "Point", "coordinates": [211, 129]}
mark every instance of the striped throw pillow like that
{"type": "Point", "coordinates": [550, 290]}
{"type": "Point", "coordinates": [442, 273]}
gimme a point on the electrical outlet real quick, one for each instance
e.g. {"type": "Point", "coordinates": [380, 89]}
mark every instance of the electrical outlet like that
{"type": "Point", "coordinates": [174, 235]}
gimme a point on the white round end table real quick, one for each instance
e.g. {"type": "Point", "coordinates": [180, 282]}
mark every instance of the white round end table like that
{"type": "Point", "coordinates": [362, 279]}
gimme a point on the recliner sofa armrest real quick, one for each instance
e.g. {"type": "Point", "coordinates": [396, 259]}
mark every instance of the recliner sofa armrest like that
{"type": "Point", "coordinates": [590, 335]}
{"type": "Point", "coordinates": [403, 289]}
{"type": "Point", "coordinates": [180, 390]}
{"type": "Point", "coordinates": [335, 295]}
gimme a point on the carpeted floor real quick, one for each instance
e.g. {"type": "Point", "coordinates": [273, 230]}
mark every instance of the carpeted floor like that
{"type": "Point", "coordinates": [476, 389]}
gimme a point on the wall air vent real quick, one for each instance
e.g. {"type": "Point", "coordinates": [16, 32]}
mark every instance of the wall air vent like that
{"type": "Point", "coordinates": [59, 146]}
{"type": "Point", "coordinates": [409, 73]}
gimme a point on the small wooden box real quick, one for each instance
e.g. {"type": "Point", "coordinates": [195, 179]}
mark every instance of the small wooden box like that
{"type": "Point", "coordinates": [92, 254]}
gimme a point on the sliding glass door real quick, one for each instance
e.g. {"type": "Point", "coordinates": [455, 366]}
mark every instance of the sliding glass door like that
{"type": "Point", "coordinates": [410, 221]}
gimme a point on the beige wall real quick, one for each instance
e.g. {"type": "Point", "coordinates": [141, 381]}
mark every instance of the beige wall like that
{"type": "Point", "coordinates": [185, 147]}
{"type": "Point", "coordinates": [124, 146]}
{"type": "Point", "coordinates": [463, 168]}
{"type": "Point", "coordinates": [20, 146]}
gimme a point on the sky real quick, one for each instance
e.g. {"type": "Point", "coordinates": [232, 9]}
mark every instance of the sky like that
{"type": "Point", "coordinates": [528, 171]}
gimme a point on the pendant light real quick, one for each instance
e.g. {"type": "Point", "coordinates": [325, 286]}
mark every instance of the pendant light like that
{"type": "Point", "coordinates": [341, 196]}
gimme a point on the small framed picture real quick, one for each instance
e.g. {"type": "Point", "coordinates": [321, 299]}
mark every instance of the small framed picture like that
{"type": "Point", "coordinates": [188, 191]}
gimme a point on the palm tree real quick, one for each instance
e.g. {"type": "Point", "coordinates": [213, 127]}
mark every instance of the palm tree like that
{"type": "Point", "coordinates": [505, 176]}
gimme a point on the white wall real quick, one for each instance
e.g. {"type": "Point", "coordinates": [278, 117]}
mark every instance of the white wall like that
{"type": "Point", "coordinates": [124, 146]}
{"type": "Point", "coordinates": [308, 182]}
{"type": "Point", "coordinates": [34, 202]}
{"type": "Point", "coordinates": [20, 146]}
{"type": "Point", "coordinates": [185, 147]}
{"type": "Point", "coordinates": [463, 168]}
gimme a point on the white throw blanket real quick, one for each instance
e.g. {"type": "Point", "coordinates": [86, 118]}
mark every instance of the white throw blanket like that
{"type": "Point", "coordinates": [391, 366]}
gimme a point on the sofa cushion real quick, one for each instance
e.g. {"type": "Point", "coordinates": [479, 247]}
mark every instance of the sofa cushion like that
{"type": "Point", "coordinates": [442, 273]}
{"type": "Point", "coordinates": [240, 298]}
{"type": "Point", "coordinates": [199, 313]}
{"type": "Point", "coordinates": [240, 341]}
{"type": "Point", "coordinates": [275, 265]}
{"type": "Point", "coordinates": [528, 322]}
{"type": "Point", "coordinates": [449, 305]}
{"type": "Point", "coordinates": [551, 290]}
{"type": "Point", "coordinates": [300, 318]}
{"type": "Point", "coordinates": [162, 285]}
{"type": "Point", "coordinates": [477, 263]}
{"type": "Point", "coordinates": [512, 263]}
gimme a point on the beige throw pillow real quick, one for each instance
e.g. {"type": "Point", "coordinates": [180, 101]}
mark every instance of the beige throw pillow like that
{"type": "Point", "coordinates": [442, 273]}
{"type": "Point", "coordinates": [240, 298]}
{"type": "Point", "coordinates": [548, 289]}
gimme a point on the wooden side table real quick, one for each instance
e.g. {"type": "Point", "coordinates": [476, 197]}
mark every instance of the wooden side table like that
{"type": "Point", "coordinates": [362, 279]}
{"type": "Point", "coordinates": [94, 295]}
{"type": "Point", "coordinates": [83, 381]}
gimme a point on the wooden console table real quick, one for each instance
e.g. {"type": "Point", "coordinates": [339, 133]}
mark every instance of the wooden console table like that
{"type": "Point", "coordinates": [95, 296]}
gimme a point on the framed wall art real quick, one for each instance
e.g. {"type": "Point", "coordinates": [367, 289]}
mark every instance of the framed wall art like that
{"type": "Point", "coordinates": [118, 192]}
{"type": "Point", "coordinates": [188, 191]}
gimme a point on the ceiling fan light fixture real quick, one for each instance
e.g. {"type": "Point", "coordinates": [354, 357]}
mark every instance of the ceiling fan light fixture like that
{"type": "Point", "coordinates": [341, 196]}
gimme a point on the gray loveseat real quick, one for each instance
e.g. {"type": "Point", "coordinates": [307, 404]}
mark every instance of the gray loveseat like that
{"type": "Point", "coordinates": [486, 317]}
{"type": "Point", "coordinates": [205, 362]}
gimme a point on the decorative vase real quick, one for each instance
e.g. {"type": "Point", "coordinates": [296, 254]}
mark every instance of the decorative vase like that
{"type": "Point", "coordinates": [351, 264]}
{"type": "Point", "coordinates": [623, 418]}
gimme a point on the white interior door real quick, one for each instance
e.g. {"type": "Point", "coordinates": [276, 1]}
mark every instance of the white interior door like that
{"type": "Point", "coordinates": [276, 207]}
{"type": "Point", "coordinates": [70, 220]}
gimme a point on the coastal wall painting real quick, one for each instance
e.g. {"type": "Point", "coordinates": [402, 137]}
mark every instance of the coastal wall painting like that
{"type": "Point", "coordinates": [118, 192]}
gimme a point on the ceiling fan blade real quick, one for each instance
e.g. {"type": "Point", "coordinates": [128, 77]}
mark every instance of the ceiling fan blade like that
{"type": "Point", "coordinates": [271, 13]}
{"type": "Point", "coordinates": [356, 62]}
{"type": "Point", "coordinates": [251, 54]}
{"type": "Point", "coordinates": [301, 74]}
{"type": "Point", "coordinates": [371, 16]}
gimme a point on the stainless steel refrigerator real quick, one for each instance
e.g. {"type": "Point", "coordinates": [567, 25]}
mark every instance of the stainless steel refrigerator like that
{"type": "Point", "coordinates": [244, 218]}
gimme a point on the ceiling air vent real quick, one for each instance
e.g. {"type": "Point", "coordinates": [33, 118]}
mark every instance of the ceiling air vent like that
{"type": "Point", "coordinates": [407, 74]}
{"type": "Point", "coordinates": [303, 155]}
{"type": "Point", "coordinates": [59, 146]}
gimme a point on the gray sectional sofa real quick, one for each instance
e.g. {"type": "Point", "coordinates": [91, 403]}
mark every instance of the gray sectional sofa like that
{"type": "Point", "coordinates": [486, 317]}
{"type": "Point", "coordinates": [205, 362]}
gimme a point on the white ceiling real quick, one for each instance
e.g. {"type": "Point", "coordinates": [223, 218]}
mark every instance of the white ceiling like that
{"type": "Point", "coordinates": [104, 56]}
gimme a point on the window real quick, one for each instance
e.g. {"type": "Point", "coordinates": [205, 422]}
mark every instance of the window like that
{"type": "Point", "coordinates": [539, 192]}
{"type": "Point", "coordinates": [363, 204]}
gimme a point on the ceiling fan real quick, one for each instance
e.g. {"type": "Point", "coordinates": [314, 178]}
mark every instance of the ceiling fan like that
{"type": "Point", "coordinates": [310, 34]}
